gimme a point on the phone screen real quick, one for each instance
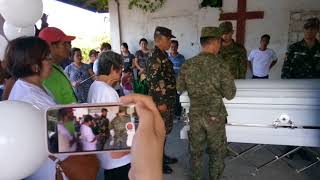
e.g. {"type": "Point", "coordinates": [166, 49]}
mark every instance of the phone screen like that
{"type": "Point", "coordinates": [87, 128]}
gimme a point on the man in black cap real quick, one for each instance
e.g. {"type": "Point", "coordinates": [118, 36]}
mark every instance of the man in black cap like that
{"type": "Point", "coordinates": [162, 83]}
{"type": "Point", "coordinates": [303, 57]}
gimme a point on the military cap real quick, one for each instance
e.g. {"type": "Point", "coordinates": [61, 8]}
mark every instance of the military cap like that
{"type": "Point", "coordinates": [164, 32]}
{"type": "Point", "coordinates": [226, 26]}
{"type": "Point", "coordinates": [311, 23]}
{"type": "Point", "coordinates": [122, 109]}
{"type": "Point", "coordinates": [211, 32]}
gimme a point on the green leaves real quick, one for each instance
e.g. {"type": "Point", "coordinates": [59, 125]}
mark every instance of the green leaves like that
{"type": "Point", "coordinates": [146, 5]}
{"type": "Point", "coordinates": [211, 3]}
{"type": "Point", "coordinates": [96, 5]}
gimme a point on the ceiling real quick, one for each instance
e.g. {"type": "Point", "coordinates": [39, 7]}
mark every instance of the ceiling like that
{"type": "Point", "coordinates": [100, 6]}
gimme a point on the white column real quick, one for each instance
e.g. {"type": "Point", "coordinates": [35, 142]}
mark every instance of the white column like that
{"type": "Point", "coordinates": [115, 26]}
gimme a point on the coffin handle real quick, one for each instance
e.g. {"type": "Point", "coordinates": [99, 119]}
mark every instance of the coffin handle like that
{"type": "Point", "coordinates": [283, 120]}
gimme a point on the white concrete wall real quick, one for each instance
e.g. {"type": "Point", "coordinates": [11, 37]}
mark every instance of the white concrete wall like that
{"type": "Point", "coordinates": [186, 19]}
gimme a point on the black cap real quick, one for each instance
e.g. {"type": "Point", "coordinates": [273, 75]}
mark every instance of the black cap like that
{"type": "Point", "coordinates": [311, 23]}
{"type": "Point", "coordinates": [164, 32]}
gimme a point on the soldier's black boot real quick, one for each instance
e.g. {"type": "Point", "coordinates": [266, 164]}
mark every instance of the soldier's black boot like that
{"type": "Point", "coordinates": [167, 169]}
{"type": "Point", "coordinates": [169, 160]}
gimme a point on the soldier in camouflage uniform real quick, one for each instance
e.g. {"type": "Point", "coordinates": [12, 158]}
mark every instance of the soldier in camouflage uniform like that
{"type": "Point", "coordinates": [303, 62]}
{"type": "Point", "coordinates": [303, 57]}
{"type": "Point", "coordinates": [103, 128]}
{"type": "Point", "coordinates": [118, 125]}
{"type": "Point", "coordinates": [161, 81]}
{"type": "Point", "coordinates": [207, 79]}
{"type": "Point", "coordinates": [233, 54]}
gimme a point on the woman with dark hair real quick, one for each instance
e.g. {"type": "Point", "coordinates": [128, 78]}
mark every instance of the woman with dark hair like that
{"type": "Point", "coordinates": [115, 165]}
{"type": "Point", "coordinates": [139, 72]}
{"type": "Point", "coordinates": [28, 60]}
{"type": "Point", "coordinates": [126, 56]}
{"type": "Point", "coordinates": [141, 59]}
{"type": "Point", "coordinates": [80, 74]}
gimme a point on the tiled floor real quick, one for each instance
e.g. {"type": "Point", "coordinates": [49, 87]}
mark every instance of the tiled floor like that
{"type": "Point", "coordinates": [241, 169]}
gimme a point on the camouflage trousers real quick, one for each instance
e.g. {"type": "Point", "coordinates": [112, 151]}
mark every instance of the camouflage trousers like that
{"type": "Point", "coordinates": [207, 132]}
{"type": "Point", "coordinates": [167, 116]}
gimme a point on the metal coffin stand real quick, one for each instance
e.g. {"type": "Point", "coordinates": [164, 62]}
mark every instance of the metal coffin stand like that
{"type": "Point", "coordinates": [273, 112]}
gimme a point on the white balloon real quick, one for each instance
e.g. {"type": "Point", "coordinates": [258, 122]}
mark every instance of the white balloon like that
{"type": "Point", "coordinates": [3, 46]}
{"type": "Point", "coordinates": [22, 139]}
{"type": "Point", "coordinates": [12, 32]}
{"type": "Point", "coordinates": [21, 13]}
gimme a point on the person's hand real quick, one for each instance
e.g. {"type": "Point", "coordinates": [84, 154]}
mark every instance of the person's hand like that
{"type": "Point", "coordinates": [141, 71]}
{"type": "Point", "coordinates": [163, 107]}
{"type": "Point", "coordinates": [44, 17]}
{"type": "Point", "coordinates": [76, 84]}
{"type": "Point", "coordinates": [148, 142]}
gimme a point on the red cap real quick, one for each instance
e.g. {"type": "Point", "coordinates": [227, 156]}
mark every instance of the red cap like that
{"type": "Point", "coordinates": [53, 34]}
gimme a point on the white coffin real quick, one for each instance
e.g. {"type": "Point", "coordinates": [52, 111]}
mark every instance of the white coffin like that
{"type": "Point", "coordinates": [282, 112]}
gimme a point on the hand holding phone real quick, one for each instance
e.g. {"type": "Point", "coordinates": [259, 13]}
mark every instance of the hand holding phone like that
{"type": "Point", "coordinates": [148, 141]}
{"type": "Point", "coordinates": [90, 122]}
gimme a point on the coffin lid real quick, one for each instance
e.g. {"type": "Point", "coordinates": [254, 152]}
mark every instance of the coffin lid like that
{"type": "Point", "coordinates": [285, 84]}
{"type": "Point", "coordinates": [289, 92]}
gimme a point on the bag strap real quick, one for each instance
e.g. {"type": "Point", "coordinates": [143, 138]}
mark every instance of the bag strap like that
{"type": "Point", "coordinates": [59, 170]}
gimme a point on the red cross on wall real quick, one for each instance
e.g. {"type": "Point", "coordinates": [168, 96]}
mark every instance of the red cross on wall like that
{"type": "Point", "coordinates": [241, 16]}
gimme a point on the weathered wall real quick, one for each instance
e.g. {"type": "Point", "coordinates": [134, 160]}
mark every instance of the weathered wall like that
{"type": "Point", "coordinates": [297, 19]}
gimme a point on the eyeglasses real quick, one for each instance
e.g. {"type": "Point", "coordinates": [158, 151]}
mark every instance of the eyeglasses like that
{"type": "Point", "coordinates": [64, 43]}
{"type": "Point", "coordinates": [67, 43]}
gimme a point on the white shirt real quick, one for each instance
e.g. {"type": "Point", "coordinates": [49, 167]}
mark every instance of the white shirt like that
{"type": "Point", "coordinates": [30, 93]}
{"type": "Point", "coordinates": [64, 138]}
{"type": "Point", "coordinates": [95, 67]}
{"type": "Point", "coordinates": [261, 61]}
{"type": "Point", "coordinates": [101, 92]}
{"type": "Point", "coordinates": [87, 137]}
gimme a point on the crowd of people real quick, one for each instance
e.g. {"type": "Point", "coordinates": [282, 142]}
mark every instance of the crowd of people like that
{"type": "Point", "coordinates": [85, 133]}
{"type": "Point", "coordinates": [45, 71]}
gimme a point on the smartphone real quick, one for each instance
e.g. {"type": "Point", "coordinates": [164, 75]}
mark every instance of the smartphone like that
{"type": "Point", "coordinates": [90, 128]}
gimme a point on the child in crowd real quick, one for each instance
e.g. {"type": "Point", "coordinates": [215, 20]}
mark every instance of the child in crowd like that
{"type": "Point", "coordinates": [127, 81]}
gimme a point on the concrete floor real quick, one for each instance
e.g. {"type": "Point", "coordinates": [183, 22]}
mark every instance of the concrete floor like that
{"type": "Point", "coordinates": [240, 169]}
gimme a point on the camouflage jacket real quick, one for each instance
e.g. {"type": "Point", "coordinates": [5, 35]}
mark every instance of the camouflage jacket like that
{"type": "Point", "coordinates": [161, 77]}
{"type": "Point", "coordinates": [103, 124]}
{"type": "Point", "coordinates": [302, 62]}
{"type": "Point", "coordinates": [118, 124]}
{"type": "Point", "coordinates": [235, 55]}
{"type": "Point", "coordinates": [207, 80]}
